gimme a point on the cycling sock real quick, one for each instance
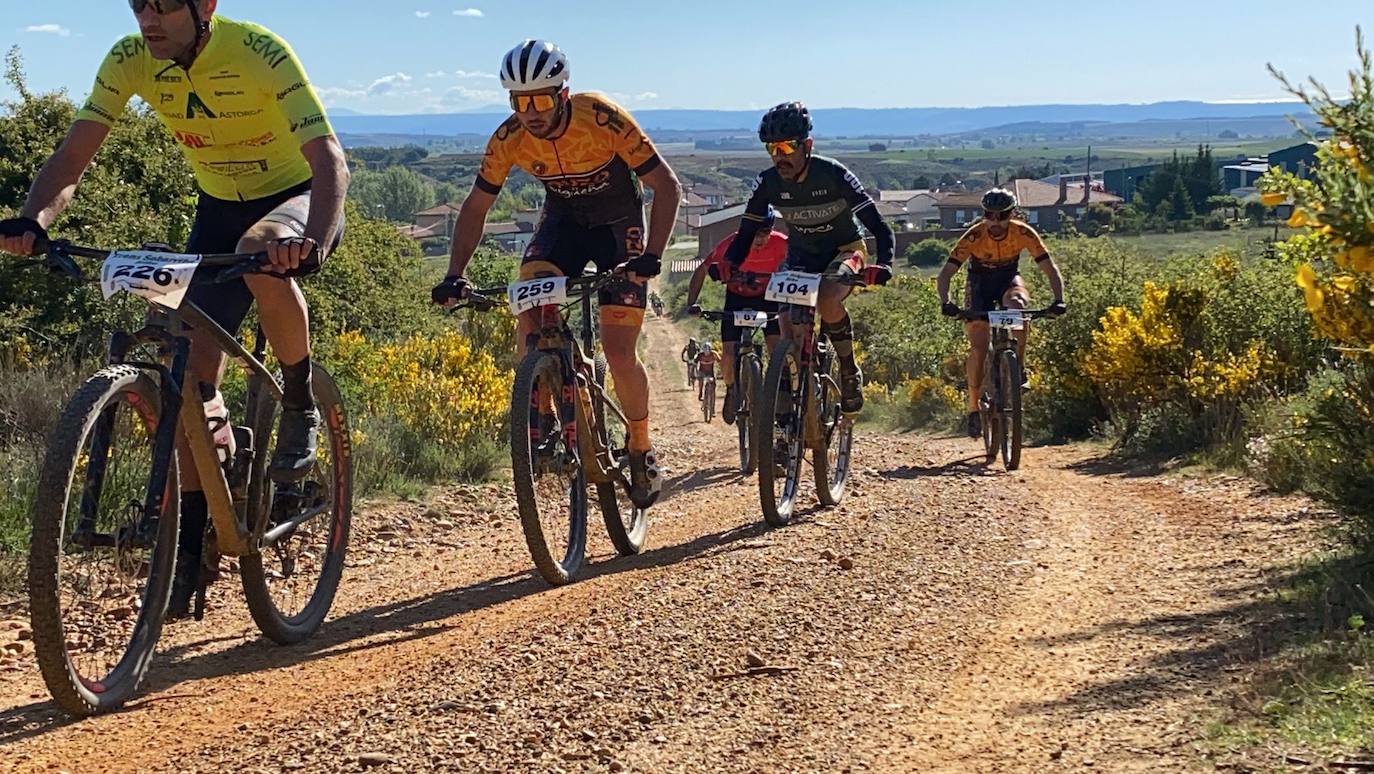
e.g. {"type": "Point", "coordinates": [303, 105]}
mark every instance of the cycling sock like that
{"type": "Point", "coordinates": [297, 391]}
{"type": "Point", "coordinates": [841, 335]}
{"type": "Point", "coordinates": [639, 435]}
{"type": "Point", "coordinates": [194, 514]}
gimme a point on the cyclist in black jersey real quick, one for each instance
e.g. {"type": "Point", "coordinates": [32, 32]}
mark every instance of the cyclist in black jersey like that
{"type": "Point", "coordinates": [820, 201]}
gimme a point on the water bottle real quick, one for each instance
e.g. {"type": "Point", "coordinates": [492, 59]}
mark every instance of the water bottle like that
{"type": "Point", "coordinates": [217, 416]}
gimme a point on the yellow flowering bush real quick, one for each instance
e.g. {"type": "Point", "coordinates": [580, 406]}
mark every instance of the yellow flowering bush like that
{"type": "Point", "coordinates": [438, 386]}
{"type": "Point", "coordinates": [930, 401]}
{"type": "Point", "coordinates": [1335, 258]}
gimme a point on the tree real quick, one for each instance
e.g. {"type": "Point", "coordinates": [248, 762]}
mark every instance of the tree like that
{"type": "Point", "coordinates": [922, 183]}
{"type": "Point", "coordinates": [395, 193]}
{"type": "Point", "coordinates": [1203, 182]}
{"type": "Point", "coordinates": [1228, 134]}
{"type": "Point", "coordinates": [988, 145]}
{"type": "Point", "coordinates": [1181, 202]}
{"type": "Point", "coordinates": [928, 252]}
{"type": "Point", "coordinates": [947, 181]}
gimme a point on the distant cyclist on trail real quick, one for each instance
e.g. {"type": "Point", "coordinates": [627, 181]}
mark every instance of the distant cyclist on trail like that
{"type": "Point", "coordinates": [992, 247]}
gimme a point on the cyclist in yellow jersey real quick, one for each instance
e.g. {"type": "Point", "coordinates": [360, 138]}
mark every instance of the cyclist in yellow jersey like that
{"type": "Point", "coordinates": [591, 156]}
{"type": "Point", "coordinates": [992, 247]}
{"type": "Point", "coordinates": [272, 177]}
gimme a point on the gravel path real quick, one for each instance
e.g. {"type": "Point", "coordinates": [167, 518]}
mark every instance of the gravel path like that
{"type": "Point", "coordinates": [944, 617]}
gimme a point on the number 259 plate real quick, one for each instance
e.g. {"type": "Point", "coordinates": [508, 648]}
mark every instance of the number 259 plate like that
{"type": "Point", "coordinates": [159, 277]}
{"type": "Point", "coordinates": [532, 294]}
{"type": "Point", "coordinates": [794, 287]}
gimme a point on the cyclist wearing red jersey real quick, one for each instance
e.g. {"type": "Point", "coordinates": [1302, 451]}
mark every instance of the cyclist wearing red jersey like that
{"type": "Point", "coordinates": [767, 252]}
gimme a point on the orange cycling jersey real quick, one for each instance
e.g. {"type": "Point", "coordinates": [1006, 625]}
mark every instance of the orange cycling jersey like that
{"type": "Point", "coordinates": [241, 112]}
{"type": "Point", "coordinates": [1003, 254]}
{"type": "Point", "coordinates": [586, 168]}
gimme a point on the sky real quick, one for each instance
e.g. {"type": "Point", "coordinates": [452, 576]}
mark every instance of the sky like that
{"type": "Point", "coordinates": [426, 56]}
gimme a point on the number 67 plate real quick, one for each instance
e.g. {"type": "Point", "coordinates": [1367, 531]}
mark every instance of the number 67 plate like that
{"type": "Point", "coordinates": [793, 287]}
{"type": "Point", "coordinates": [532, 294]}
{"type": "Point", "coordinates": [159, 277]}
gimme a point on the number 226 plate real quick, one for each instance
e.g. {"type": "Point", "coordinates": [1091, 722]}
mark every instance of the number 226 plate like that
{"type": "Point", "coordinates": [794, 287]}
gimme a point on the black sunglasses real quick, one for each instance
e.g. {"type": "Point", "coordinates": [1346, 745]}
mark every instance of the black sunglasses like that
{"type": "Point", "coordinates": [1003, 215]}
{"type": "Point", "coordinates": [163, 7]}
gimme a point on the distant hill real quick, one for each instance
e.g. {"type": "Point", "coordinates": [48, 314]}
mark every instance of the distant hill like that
{"type": "Point", "coordinates": [856, 122]}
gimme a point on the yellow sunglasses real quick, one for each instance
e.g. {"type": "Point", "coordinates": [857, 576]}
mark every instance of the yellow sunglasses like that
{"type": "Point", "coordinates": [538, 103]}
{"type": "Point", "coordinates": [783, 147]}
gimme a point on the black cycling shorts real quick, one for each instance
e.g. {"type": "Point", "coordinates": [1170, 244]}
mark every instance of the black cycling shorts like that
{"type": "Point", "coordinates": [563, 247]}
{"type": "Point", "coordinates": [220, 225]}
{"type": "Point", "coordinates": [985, 289]}
{"type": "Point", "coordinates": [729, 332]}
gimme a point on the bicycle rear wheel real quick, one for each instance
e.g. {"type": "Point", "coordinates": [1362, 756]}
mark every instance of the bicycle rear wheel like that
{"type": "Point", "coordinates": [550, 484]}
{"type": "Point", "coordinates": [778, 435]}
{"type": "Point", "coordinates": [99, 572]}
{"type": "Point", "coordinates": [990, 411]}
{"type": "Point", "coordinates": [291, 582]}
{"type": "Point", "coordinates": [708, 400]}
{"type": "Point", "coordinates": [1010, 376]}
{"type": "Point", "coordinates": [746, 398]}
{"type": "Point", "coordinates": [831, 460]}
{"type": "Point", "coordinates": [625, 524]}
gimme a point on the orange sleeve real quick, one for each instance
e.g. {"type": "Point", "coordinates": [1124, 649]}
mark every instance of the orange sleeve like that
{"type": "Point", "coordinates": [963, 249]}
{"type": "Point", "coordinates": [497, 162]}
{"type": "Point", "coordinates": [1032, 243]}
{"type": "Point", "coordinates": [631, 143]}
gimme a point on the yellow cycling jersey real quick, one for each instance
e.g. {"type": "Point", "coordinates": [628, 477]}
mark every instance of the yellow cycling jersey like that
{"type": "Point", "coordinates": [587, 168]}
{"type": "Point", "coordinates": [990, 254]}
{"type": "Point", "coordinates": [240, 114]}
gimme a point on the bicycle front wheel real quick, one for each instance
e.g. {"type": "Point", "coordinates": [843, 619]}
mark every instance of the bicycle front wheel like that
{"type": "Point", "coordinates": [1009, 368]}
{"type": "Point", "coordinates": [830, 460]}
{"type": "Point", "coordinates": [626, 524]}
{"type": "Point", "coordinates": [291, 582]}
{"type": "Point", "coordinates": [778, 435]}
{"type": "Point", "coordinates": [708, 400]}
{"type": "Point", "coordinates": [990, 411]}
{"type": "Point", "coordinates": [100, 569]}
{"type": "Point", "coordinates": [550, 484]}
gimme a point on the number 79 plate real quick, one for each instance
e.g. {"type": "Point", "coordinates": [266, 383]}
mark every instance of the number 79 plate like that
{"type": "Point", "coordinates": [532, 294]}
{"type": "Point", "coordinates": [797, 288]}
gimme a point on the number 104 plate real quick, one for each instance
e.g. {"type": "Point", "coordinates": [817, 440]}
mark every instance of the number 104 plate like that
{"type": "Point", "coordinates": [794, 287]}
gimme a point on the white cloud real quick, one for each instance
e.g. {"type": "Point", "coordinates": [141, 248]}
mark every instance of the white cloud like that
{"type": "Point", "coordinates": [422, 14]}
{"type": "Point", "coordinates": [462, 96]}
{"type": "Point", "coordinates": [643, 96]}
{"type": "Point", "coordinates": [473, 74]}
{"type": "Point", "coordinates": [332, 95]}
{"type": "Point", "coordinates": [49, 29]}
{"type": "Point", "coordinates": [436, 74]}
{"type": "Point", "coordinates": [387, 83]}
{"type": "Point", "coordinates": [470, 12]}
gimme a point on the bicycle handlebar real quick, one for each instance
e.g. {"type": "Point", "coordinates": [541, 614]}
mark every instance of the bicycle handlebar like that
{"type": "Point", "coordinates": [966, 315]}
{"type": "Point", "coordinates": [58, 255]}
{"type": "Point", "coordinates": [487, 299]}
{"type": "Point", "coordinates": [712, 316]}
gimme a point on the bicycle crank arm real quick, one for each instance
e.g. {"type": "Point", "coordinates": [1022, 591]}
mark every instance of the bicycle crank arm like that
{"type": "Point", "coordinates": [275, 535]}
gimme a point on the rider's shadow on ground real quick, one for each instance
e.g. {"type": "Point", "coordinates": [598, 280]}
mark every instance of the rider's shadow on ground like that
{"type": "Point", "coordinates": [407, 620]}
{"type": "Point", "coordinates": [968, 466]}
{"type": "Point", "coordinates": [686, 482]}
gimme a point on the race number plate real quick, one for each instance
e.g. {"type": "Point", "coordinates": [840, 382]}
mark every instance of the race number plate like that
{"type": "Point", "coordinates": [1007, 319]}
{"type": "Point", "coordinates": [532, 294]}
{"type": "Point", "coordinates": [159, 277]}
{"type": "Point", "coordinates": [751, 319]}
{"type": "Point", "coordinates": [797, 288]}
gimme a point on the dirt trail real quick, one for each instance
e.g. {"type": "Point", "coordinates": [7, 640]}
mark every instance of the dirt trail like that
{"type": "Point", "coordinates": [1064, 616]}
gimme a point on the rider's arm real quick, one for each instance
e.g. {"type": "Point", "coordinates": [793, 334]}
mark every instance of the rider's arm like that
{"type": "Point", "coordinates": [663, 215]}
{"type": "Point", "coordinates": [698, 279]}
{"type": "Point", "coordinates": [963, 250]}
{"type": "Point", "coordinates": [1037, 249]}
{"type": "Point", "coordinates": [467, 233]}
{"type": "Point", "coordinates": [749, 225]}
{"type": "Point", "coordinates": [328, 189]}
{"type": "Point", "coordinates": [56, 182]}
{"type": "Point", "coordinates": [863, 208]}
{"type": "Point", "coordinates": [298, 102]}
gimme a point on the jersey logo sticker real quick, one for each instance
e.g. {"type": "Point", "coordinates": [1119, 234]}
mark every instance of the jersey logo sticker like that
{"type": "Point", "coordinates": [609, 117]}
{"type": "Point", "coordinates": [194, 103]}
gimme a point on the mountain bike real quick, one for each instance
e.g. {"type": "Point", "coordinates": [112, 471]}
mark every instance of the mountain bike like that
{"type": "Point", "coordinates": [799, 404]}
{"type": "Point", "coordinates": [107, 509]}
{"type": "Point", "coordinates": [708, 395]}
{"type": "Point", "coordinates": [999, 401]}
{"type": "Point", "coordinates": [748, 376]}
{"type": "Point", "coordinates": [565, 431]}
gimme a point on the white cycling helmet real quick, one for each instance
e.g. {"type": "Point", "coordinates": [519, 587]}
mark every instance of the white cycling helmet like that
{"type": "Point", "coordinates": [533, 65]}
{"type": "Point", "coordinates": [706, 347]}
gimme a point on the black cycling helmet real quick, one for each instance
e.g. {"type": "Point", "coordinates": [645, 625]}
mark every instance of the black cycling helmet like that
{"type": "Point", "coordinates": [999, 200]}
{"type": "Point", "coordinates": [788, 121]}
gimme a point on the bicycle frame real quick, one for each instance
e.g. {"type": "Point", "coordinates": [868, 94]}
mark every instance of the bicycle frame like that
{"type": "Point", "coordinates": [235, 514]}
